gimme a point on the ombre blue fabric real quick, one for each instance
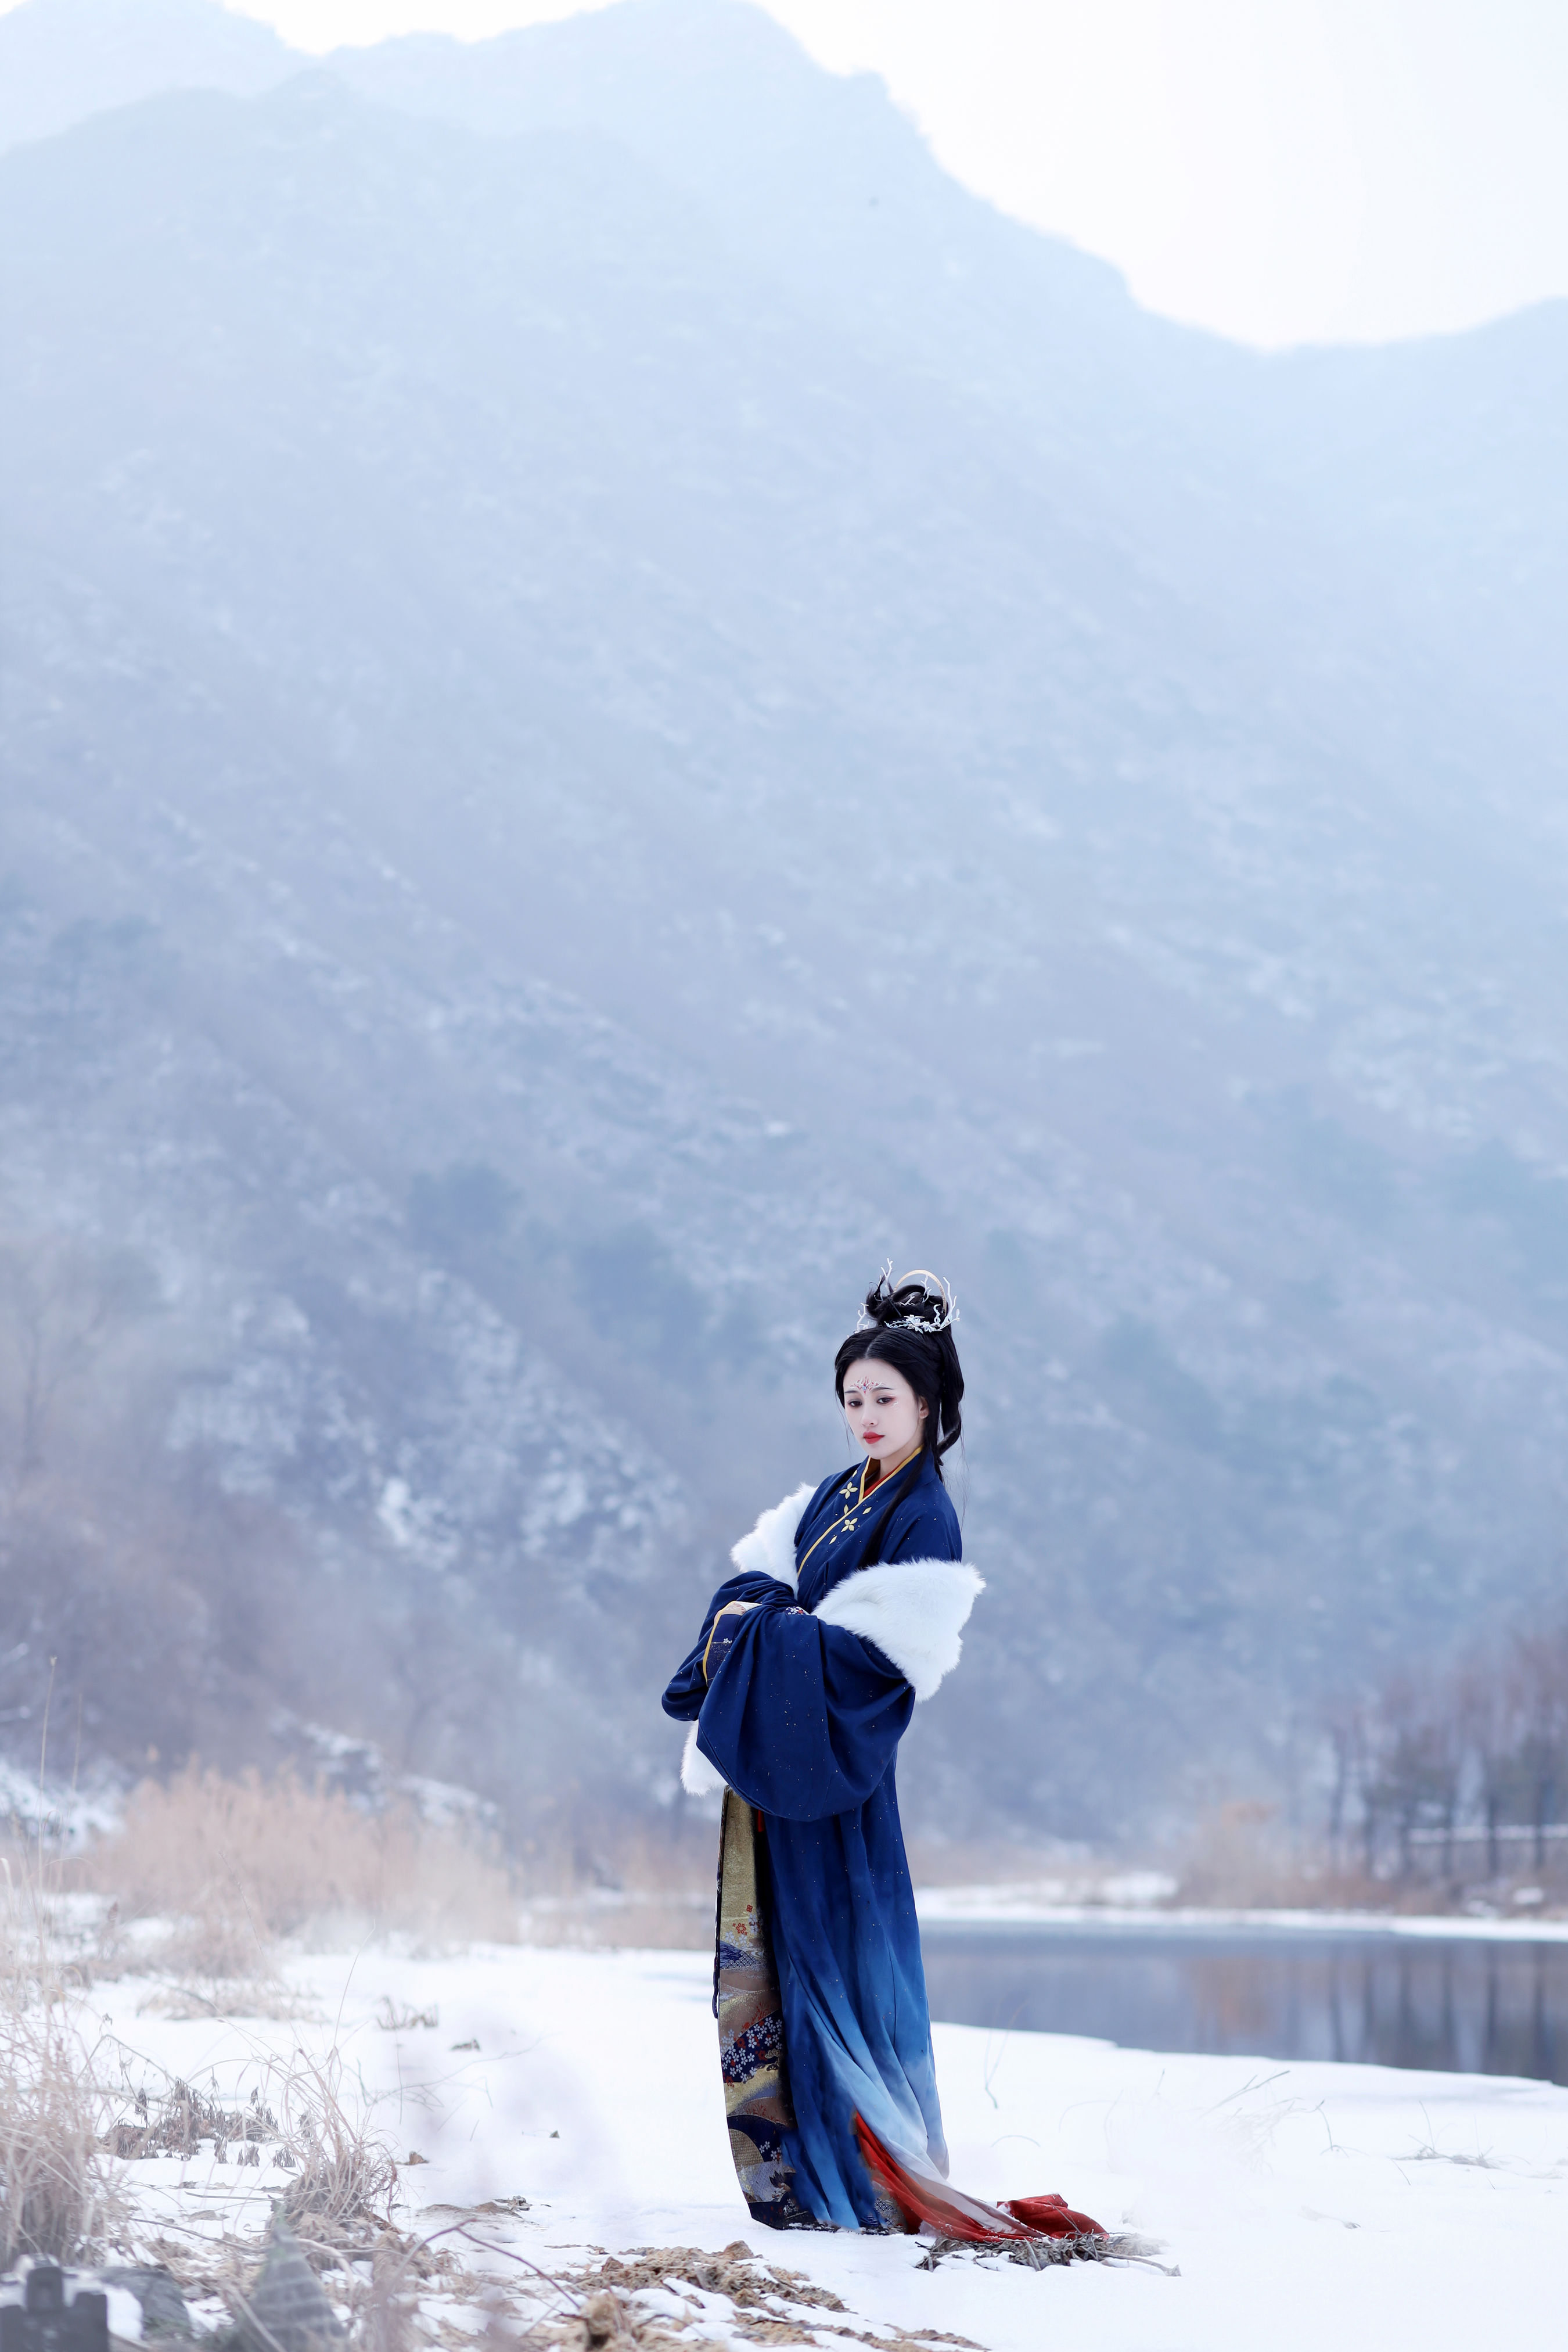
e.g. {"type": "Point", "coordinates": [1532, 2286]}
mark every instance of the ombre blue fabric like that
{"type": "Point", "coordinates": [803, 1719]}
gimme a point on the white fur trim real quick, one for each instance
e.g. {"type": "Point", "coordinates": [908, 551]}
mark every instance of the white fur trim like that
{"type": "Point", "coordinates": [698, 1777]}
{"type": "Point", "coordinates": [913, 1610]}
{"type": "Point", "coordinates": [769, 1548]}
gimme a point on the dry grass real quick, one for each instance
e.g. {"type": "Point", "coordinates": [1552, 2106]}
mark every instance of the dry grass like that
{"type": "Point", "coordinates": [57, 2196]}
{"type": "Point", "coordinates": [305, 2119]}
{"type": "Point", "coordinates": [750, 2284]}
{"type": "Point", "coordinates": [345, 2171]}
{"type": "Point", "coordinates": [768, 2305]}
{"type": "Point", "coordinates": [1238, 1860]}
{"type": "Point", "coordinates": [183, 2119]}
{"type": "Point", "coordinates": [233, 1864]}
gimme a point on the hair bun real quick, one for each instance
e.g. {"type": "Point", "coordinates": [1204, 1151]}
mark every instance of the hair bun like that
{"type": "Point", "coordinates": [917, 1301]}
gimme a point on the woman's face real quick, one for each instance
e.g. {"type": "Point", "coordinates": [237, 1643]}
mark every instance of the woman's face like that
{"type": "Point", "coordinates": [883, 1412]}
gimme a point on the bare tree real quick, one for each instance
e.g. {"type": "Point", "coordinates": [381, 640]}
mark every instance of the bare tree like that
{"type": "Point", "coordinates": [1484, 1698]}
{"type": "Point", "coordinates": [1486, 1741]}
{"type": "Point", "coordinates": [1346, 1727]}
{"type": "Point", "coordinates": [1539, 1678]}
{"type": "Point", "coordinates": [1423, 1760]}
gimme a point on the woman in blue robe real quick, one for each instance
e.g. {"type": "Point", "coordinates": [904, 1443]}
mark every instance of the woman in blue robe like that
{"type": "Point", "coordinates": [844, 1611]}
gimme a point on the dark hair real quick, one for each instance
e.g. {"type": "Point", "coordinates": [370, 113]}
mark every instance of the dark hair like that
{"type": "Point", "coordinates": [927, 1358]}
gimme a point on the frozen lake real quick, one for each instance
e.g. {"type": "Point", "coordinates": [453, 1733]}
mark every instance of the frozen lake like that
{"type": "Point", "coordinates": [1454, 2003]}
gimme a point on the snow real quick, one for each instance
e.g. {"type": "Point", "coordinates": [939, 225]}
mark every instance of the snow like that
{"type": "Point", "coordinates": [63, 1815]}
{"type": "Point", "coordinates": [1304, 2205]}
{"type": "Point", "coordinates": [1046, 1900]}
{"type": "Point", "coordinates": [1023, 1906]}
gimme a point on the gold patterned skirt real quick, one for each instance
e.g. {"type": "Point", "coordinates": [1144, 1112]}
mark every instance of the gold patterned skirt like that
{"type": "Point", "coordinates": [751, 2015]}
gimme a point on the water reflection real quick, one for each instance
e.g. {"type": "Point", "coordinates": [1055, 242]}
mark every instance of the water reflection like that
{"type": "Point", "coordinates": [1472, 2006]}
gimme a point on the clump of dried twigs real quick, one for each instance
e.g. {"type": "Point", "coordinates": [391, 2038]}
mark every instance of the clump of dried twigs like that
{"type": "Point", "coordinates": [768, 2305]}
{"type": "Point", "coordinates": [738, 2273]}
{"type": "Point", "coordinates": [344, 2172]}
{"type": "Point", "coordinates": [1042, 2253]}
{"type": "Point", "coordinates": [605, 2322]}
{"type": "Point", "coordinates": [177, 2124]}
{"type": "Point", "coordinates": [398, 2017]}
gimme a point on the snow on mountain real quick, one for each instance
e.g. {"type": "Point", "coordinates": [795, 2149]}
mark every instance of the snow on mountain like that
{"type": "Point", "coordinates": [600, 735]}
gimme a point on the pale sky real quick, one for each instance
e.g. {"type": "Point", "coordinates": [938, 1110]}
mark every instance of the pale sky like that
{"type": "Point", "coordinates": [1283, 171]}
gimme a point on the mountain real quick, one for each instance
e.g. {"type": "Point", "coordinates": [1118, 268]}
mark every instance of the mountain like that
{"type": "Point", "coordinates": [602, 732]}
{"type": "Point", "coordinates": [62, 60]}
{"type": "Point", "coordinates": [1434, 471]}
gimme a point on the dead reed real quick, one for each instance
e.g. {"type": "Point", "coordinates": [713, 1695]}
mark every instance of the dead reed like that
{"type": "Point", "coordinates": [58, 2195]}
{"type": "Point", "coordinates": [344, 2171]}
{"type": "Point", "coordinates": [233, 1865]}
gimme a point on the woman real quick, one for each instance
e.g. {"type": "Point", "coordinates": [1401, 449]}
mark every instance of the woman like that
{"type": "Point", "coordinates": [845, 1610]}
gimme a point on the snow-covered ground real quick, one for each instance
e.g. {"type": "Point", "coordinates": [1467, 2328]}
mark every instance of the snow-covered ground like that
{"type": "Point", "coordinates": [1305, 2206]}
{"type": "Point", "coordinates": [1128, 1904]}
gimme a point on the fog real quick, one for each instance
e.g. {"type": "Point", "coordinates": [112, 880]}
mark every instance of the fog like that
{"type": "Point", "coordinates": [620, 702]}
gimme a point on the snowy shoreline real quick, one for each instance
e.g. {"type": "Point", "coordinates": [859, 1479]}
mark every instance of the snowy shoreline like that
{"type": "Point", "coordinates": [1304, 2202]}
{"type": "Point", "coordinates": [1000, 1908]}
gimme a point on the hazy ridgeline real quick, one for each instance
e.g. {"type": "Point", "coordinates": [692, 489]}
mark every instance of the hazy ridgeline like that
{"type": "Point", "coordinates": [618, 702]}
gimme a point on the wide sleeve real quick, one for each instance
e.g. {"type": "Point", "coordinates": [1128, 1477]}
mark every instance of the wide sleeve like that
{"type": "Point", "coordinates": [687, 1686]}
{"type": "Point", "coordinates": [802, 1719]}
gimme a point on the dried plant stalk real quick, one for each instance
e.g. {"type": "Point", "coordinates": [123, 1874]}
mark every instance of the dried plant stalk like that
{"type": "Point", "coordinates": [57, 2196]}
{"type": "Point", "coordinates": [345, 2173]}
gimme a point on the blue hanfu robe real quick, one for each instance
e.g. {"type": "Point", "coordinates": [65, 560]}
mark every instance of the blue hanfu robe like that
{"type": "Point", "coordinates": [800, 1707]}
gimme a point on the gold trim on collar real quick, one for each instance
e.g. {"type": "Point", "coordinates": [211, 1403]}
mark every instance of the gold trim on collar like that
{"type": "Point", "coordinates": [847, 1516]}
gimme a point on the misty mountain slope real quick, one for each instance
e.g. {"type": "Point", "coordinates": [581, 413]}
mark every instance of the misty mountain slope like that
{"type": "Point", "coordinates": [1200, 452]}
{"type": "Point", "coordinates": [820, 180]}
{"type": "Point", "coordinates": [1204, 455]}
{"type": "Point", "coordinates": [481, 1540]}
{"type": "Point", "coordinates": [61, 60]}
{"type": "Point", "coordinates": [821, 183]}
{"type": "Point", "coordinates": [649, 804]}
{"type": "Point", "coordinates": [1448, 462]}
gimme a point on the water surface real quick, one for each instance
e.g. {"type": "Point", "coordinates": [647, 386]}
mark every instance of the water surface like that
{"type": "Point", "coordinates": [1454, 2003]}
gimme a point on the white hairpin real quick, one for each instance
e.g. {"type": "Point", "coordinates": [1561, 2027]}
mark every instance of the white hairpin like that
{"type": "Point", "coordinates": [933, 1288]}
